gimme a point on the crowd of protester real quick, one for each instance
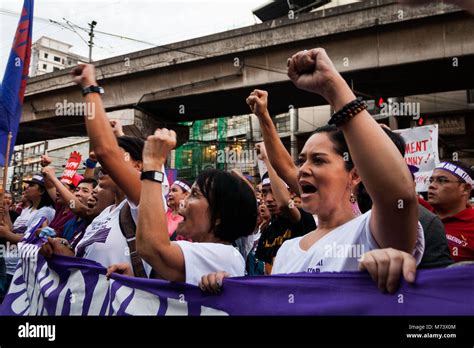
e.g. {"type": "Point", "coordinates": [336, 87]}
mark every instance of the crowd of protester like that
{"type": "Point", "coordinates": [350, 190]}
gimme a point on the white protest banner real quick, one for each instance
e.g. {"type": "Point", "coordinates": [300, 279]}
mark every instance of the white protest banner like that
{"type": "Point", "coordinates": [421, 151]}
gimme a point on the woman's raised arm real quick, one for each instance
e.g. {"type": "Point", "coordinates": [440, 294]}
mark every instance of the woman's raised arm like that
{"type": "Point", "coordinates": [377, 160]}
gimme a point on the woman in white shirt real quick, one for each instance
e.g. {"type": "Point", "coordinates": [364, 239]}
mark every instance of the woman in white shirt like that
{"type": "Point", "coordinates": [220, 208]}
{"type": "Point", "coordinates": [41, 208]}
{"type": "Point", "coordinates": [331, 165]}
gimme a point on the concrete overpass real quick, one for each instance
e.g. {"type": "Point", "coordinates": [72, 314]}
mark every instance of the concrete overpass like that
{"type": "Point", "coordinates": [382, 49]}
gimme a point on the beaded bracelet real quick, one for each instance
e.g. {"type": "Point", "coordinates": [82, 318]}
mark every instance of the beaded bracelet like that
{"type": "Point", "coordinates": [90, 163]}
{"type": "Point", "coordinates": [347, 112]}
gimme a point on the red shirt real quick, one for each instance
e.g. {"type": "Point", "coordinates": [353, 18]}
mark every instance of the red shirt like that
{"type": "Point", "coordinates": [460, 234]}
{"type": "Point", "coordinates": [62, 216]}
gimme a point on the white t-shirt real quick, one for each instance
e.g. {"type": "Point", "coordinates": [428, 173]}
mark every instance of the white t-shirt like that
{"type": "Point", "coordinates": [337, 251]}
{"type": "Point", "coordinates": [204, 258]}
{"type": "Point", "coordinates": [103, 240]}
{"type": "Point", "coordinates": [28, 218]}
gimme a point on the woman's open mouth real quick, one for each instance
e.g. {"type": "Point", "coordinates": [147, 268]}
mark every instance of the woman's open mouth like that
{"type": "Point", "coordinates": [308, 188]}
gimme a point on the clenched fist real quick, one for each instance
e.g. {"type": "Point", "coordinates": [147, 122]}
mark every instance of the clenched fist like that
{"type": "Point", "coordinates": [117, 128]}
{"type": "Point", "coordinates": [45, 161]}
{"type": "Point", "coordinates": [258, 102]}
{"type": "Point", "coordinates": [313, 71]}
{"type": "Point", "coordinates": [84, 75]}
{"type": "Point", "coordinates": [48, 172]}
{"type": "Point", "coordinates": [261, 151]}
{"type": "Point", "coordinates": [157, 147]}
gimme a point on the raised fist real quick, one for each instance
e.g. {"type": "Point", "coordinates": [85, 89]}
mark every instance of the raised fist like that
{"type": "Point", "coordinates": [261, 151]}
{"type": "Point", "coordinates": [258, 102]}
{"type": "Point", "coordinates": [48, 172]}
{"type": "Point", "coordinates": [45, 161]}
{"type": "Point", "coordinates": [117, 128]}
{"type": "Point", "coordinates": [84, 75]}
{"type": "Point", "coordinates": [157, 147]}
{"type": "Point", "coordinates": [312, 71]}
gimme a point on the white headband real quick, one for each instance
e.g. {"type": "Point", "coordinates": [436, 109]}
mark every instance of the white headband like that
{"type": "Point", "coordinates": [457, 171]}
{"type": "Point", "coordinates": [266, 181]}
{"type": "Point", "coordinates": [183, 185]}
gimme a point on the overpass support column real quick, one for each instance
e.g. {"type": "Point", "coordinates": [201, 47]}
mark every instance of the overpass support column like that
{"type": "Point", "coordinates": [293, 130]}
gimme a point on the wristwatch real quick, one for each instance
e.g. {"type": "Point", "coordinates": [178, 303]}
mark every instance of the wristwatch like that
{"type": "Point", "coordinates": [92, 89]}
{"type": "Point", "coordinates": [153, 175]}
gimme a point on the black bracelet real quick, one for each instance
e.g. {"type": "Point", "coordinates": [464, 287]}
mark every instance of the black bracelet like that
{"type": "Point", "coordinates": [349, 110]}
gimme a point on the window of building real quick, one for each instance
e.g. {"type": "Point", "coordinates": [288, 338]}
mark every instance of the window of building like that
{"type": "Point", "coordinates": [45, 67]}
{"type": "Point", "coordinates": [57, 59]}
{"type": "Point", "coordinates": [282, 123]}
{"type": "Point", "coordinates": [56, 68]}
{"type": "Point", "coordinates": [46, 55]}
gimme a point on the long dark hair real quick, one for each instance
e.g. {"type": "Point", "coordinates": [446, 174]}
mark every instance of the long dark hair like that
{"type": "Point", "coordinates": [46, 200]}
{"type": "Point", "coordinates": [231, 201]}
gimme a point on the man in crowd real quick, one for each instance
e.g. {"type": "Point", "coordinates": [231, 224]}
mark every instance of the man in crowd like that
{"type": "Point", "coordinates": [436, 253]}
{"type": "Point", "coordinates": [448, 194]}
{"type": "Point", "coordinates": [287, 221]}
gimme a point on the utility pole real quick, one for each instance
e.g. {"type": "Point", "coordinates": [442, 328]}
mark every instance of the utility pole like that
{"type": "Point", "coordinates": [293, 129]}
{"type": "Point", "coordinates": [22, 171]}
{"type": "Point", "coordinates": [91, 38]}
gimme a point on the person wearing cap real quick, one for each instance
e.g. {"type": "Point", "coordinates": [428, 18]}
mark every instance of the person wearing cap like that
{"type": "Point", "coordinates": [286, 222]}
{"type": "Point", "coordinates": [41, 207]}
{"type": "Point", "coordinates": [449, 191]}
{"type": "Point", "coordinates": [178, 193]}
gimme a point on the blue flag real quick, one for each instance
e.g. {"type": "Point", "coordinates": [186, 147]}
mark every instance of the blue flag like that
{"type": "Point", "coordinates": [12, 89]}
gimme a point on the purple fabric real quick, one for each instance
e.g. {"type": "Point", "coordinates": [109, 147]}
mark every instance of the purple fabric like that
{"type": "Point", "coordinates": [68, 285]}
{"type": "Point", "coordinates": [99, 237]}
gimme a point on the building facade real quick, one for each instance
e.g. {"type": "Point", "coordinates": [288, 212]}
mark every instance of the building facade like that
{"type": "Point", "coordinates": [26, 158]}
{"type": "Point", "coordinates": [49, 55]}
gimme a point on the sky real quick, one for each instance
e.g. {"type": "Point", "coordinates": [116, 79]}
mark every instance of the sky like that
{"type": "Point", "coordinates": [158, 22]}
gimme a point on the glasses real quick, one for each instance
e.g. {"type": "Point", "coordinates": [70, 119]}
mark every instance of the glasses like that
{"type": "Point", "coordinates": [441, 180]}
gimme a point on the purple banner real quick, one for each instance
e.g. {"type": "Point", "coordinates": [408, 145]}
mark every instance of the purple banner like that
{"type": "Point", "coordinates": [74, 286]}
